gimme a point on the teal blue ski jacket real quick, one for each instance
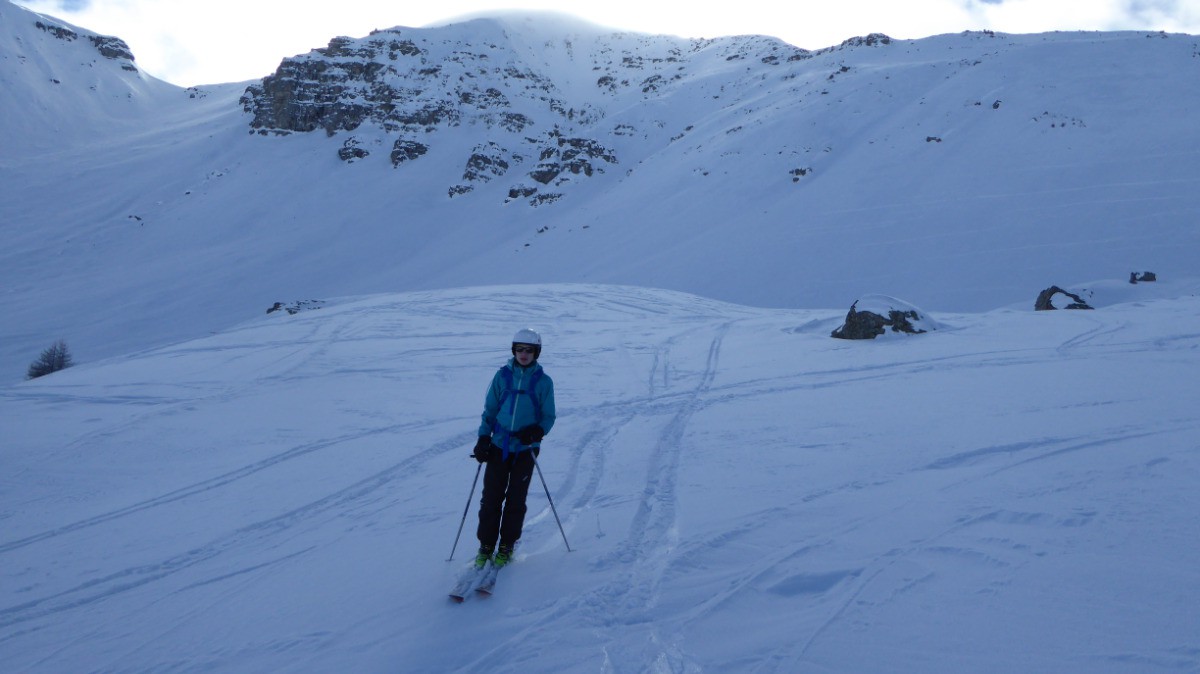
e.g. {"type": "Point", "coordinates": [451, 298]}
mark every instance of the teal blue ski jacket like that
{"type": "Point", "coordinates": [518, 397]}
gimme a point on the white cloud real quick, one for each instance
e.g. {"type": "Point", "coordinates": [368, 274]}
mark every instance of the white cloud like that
{"type": "Point", "coordinates": [1026, 16]}
{"type": "Point", "coordinates": [192, 41]}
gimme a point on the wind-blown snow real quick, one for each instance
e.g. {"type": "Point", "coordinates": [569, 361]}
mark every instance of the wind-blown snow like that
{"type": "Point", "coordinates": [215, 489]}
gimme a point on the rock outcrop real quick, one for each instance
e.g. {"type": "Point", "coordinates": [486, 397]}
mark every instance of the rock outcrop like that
{"type": "Point", "coordinates": [109, 47]}
{"type": "Point", "coordinates": [1050, 299]}
{"type": "Point", "coordinates": [296, 307]}
{"type": "Point", "coordinates": [403, 86]}
{"type": "Point", "coordinates": [879, 314]}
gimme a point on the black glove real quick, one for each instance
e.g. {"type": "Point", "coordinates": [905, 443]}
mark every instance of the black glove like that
{"type": "Point", "coordinates": [530, 434]}
{"type": "Point", "coordinates": [483, 447]}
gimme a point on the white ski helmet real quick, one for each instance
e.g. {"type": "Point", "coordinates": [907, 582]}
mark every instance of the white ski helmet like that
{"type": "Point", "coordinates": [527, 336]}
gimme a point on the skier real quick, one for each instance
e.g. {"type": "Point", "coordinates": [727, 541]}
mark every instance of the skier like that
{"type": "Point", "coordinates": [517, 413]}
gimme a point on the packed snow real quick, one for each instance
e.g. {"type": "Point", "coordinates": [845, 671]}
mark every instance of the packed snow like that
{"type": "Point", "coordinates": [212, 488]}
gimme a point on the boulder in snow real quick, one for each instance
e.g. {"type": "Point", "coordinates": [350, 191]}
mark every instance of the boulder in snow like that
{"type": "Point", "coordinates": [352, 150]}
{"type": "Point", "coordinates": [407, 150]}
{"type": "Point", "coordinates": [873, 315]}
{"type": "Point", "coordinates": [296, 307]}
{"type": "Point", "coordinates": [1056, 298]}
{"type": "Point", "coordinates": [1144, 277]}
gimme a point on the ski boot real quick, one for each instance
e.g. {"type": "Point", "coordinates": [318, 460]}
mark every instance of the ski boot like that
{"type": "Point", "coordinates": [503, 556]}
{"type": "Point", "coordinates": [482, 557]}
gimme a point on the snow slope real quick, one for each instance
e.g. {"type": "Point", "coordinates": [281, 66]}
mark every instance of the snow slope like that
{"type": "Point", "coordinates": [1013, 492]}
{"type": "Point", "coordinates": [213, 488]}
{"type": "Point", "coordinates": [960, 173]}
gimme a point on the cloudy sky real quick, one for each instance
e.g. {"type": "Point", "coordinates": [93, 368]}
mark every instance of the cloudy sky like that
{"type": "Point", "coordinates": [191, 42]}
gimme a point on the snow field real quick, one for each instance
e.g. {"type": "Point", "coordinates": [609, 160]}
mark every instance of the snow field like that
{"type": "Point", "coordinates": [742, 492]}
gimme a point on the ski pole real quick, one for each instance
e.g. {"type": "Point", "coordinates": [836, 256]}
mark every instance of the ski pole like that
{"type": "Point", "coordinates": [552, 508]}
{"type": "Point", "coordinates": [465, 511]}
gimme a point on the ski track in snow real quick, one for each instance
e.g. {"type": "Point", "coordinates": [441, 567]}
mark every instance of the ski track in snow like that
{"type": "Point", "coordinates": [107, 586]}
{"type": "Point", "coordinates": [652, 530]}
{"type": "Point", "coordinates": [315, 345]}
{"type": "Point", "coordinates": [651, 547]}
{"type": "Point", "coordinates": [642, 557]}
{"type": "Point", "coordinates": [614, 464]}
{"type": "Point", "coordinates": [792, 657]}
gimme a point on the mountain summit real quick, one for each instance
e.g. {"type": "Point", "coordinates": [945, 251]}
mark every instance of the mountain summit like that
{"type": "Point", "coordinates": [549, 102]}
{"type": "Point", "coordinates": [960, 172]}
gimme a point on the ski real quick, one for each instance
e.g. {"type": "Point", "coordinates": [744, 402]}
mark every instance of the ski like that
{"type": "Point", "coordinates": [487, 582]}
{"type": "Point", "coordinates": [469, 579]}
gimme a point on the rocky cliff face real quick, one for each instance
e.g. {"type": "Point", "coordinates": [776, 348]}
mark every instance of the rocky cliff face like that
{"type": "Point", "coordinates": [108, 46]}
{"type": "Point", "coordinates": [543, 113]}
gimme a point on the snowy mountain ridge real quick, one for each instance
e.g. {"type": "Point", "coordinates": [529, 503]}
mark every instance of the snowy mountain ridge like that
{"type": "Point", "coordinates": [526, 149]}
{"type": "Point", "coordinates": [261, 458]}
{"type": "Point", "coordinates": [60, 81]}
{"type": "Point", "coordinates": [549, 98]}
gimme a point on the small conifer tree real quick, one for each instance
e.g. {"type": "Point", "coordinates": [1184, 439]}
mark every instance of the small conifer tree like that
{"type": "Point", "coordinates": [53, 359]}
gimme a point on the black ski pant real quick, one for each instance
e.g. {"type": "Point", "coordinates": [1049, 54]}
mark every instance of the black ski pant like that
{"type": "Point", "coordinates": [505, 486]}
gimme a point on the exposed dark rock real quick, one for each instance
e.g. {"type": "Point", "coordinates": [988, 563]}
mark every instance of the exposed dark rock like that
{"type": "Point", "coordinates": [58, 31]}
{"type": "Point", "coordinates": [545, 173]}
{"type": "Point", "coordinates": [1045, 300]}
{"type": "Point", "coordinates": [879, 313]}
{"type": "Point", "coordinates": [296, 307]}
{"type": "Point", "coordinates": [513, 121]}
{"type": "Point", "coordinates": [573, 155]}
{"type": "Point", "coordinates": [338, 47]}
{"type": "Point", "coordinates": [798, 173]}
{"type": "Point", "coordinates": [521, 191]}
{"type": "Point", "coordinates": [404, 48]}
{"type": "Point", "coordinates": [871, 40]}
{"type": "Point", "coordinates": [111, 47]}
{"type": "Point", "coordinates": [425, 118]}
{"type": "Point", "coordinates": [576, 147]}
{"type": "Point", "coordinates": [651, 83]}
{"type": "Point", "coordinates": [407, 150]}
{"type": "Point", "coordinates": [1144, 277]}
{"type": "Point", "coordinates": [411, 85]}
{"type": "Point", "coordinates": [382, 79]}
{"type": "Point", "coordinates": [490, 98]}
{"type": "Point", "coordinates": [547, 198]}
{"type": "Point", "coordinates": [486, 162]}
{"type": "Point", "coordinates": [351, 151]}
{"type": "Point", "coordinates": [305, 95]}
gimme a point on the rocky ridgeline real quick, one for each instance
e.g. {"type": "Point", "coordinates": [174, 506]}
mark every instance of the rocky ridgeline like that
{"type": "Point", "coordinates": [536, 133]}
{"type": "Point", "coordinates": [108, 46]}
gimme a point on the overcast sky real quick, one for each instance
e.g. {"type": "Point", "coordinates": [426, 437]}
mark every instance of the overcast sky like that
{"type": "Point", "coordinates": [191, 42]}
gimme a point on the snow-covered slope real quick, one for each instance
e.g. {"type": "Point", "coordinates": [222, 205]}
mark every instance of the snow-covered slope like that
{"type": "Point", "coordinates": [961, 172]}
{"type": "Point", "coordinates": [1014, 492]}
{"type": "Point", "coordinates": [63, 84]}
